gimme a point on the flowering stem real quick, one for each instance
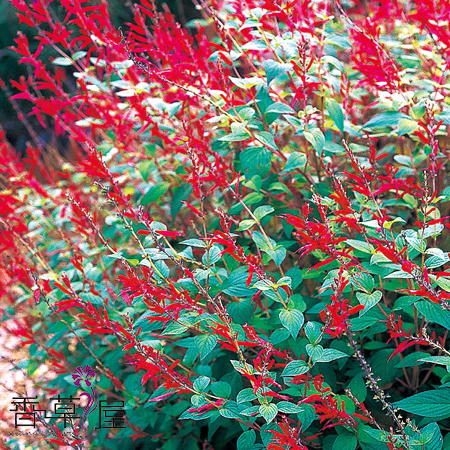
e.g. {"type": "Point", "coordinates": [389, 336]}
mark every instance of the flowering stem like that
{"type": "Point", "coordinates": [373, 384]}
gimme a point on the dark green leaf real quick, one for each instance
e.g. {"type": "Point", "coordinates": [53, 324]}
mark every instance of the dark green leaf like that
{"type": "Point", "coordinates": [434, 403]}
{"type": "Point", "coordinates": [246, 440]}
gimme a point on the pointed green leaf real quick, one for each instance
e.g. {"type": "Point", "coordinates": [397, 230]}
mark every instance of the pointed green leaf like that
{"type": "Point", "coordinates": [269, 412]}
{"type": "Point", "coordinates": [292, 320]}
{"type": "Point", "coordinates": [335, 112]}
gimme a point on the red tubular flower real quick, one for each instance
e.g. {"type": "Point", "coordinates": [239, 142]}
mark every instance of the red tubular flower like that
{"type": "Point", "coordinates": [172, 234]}
{"type": "Point", "coordinates": [372, 60]}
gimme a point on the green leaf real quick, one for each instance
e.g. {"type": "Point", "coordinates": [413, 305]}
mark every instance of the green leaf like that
{"type": "Point", "coordinates": [430, 438]}
{"type": "Point", "coordinates": [368, 300]}
{"type": "Point", "coordinates": [261, 242]}
{"type": "Point", "coordinates": [358, 387]}
{"type": "Point", "coordinates": [269, 412]}
{"type": "Point", "coordinates": [277, 254]}
{"type": "Point", "coordinates": [406, 126]}
{"type": "Point", "coordinates": [246, 83]}
{"type": "Point", "coordinates": [444, 283]}
{"type": "Point", "coordinates": [341, 42]}
{"type": "Point", "coordinates": [434, 313]}
{"type": "Point", "coordinates": [313, 333]}
{"type": "Point", "coordinates": [345, 441]}
{"type": "Point", "coordinates": [237, 134]}
{"type": "Point", "coordinates": [246, 395]}
{"type": "Point", "coordinates": [78, 55]}
{"type": "Point", "coordinates": [334, 62]}
{"type": "Point", "coordinates": [443, 360]}
{"type": "Point", "coordinates": [205, 344]}
{"type": "Point", "coordinates": [331, 354]}
{"type": "Point", "coordinates": [246, 440]}
{"type": "Point", "coordinates": [362, 246]}
{"type": "Point", "coordinates": [255, 161]}
{"type": "Point", "coordinates": [241, 311]}
{"type": "Point", "coordinates": [274, 69]}
{"type": "Point", "coordinates": [61, 61]}
{"type": "Point", "coordinates": [295, 368]}
{"type": "Point", "coordinates": [316, 138]}
{"type": "Point", "coordinates": [235, 285]}
{"type": "Point", "coordinates": [332, 147]}
{"type": "Point", "coordinates": [180, 194]}
{"type": "Point", "coordinates": [399, 275]}
{"type": "Point", "coordinates": [289, 408]}
{"type": "Point", "coordinates": [280, 108]}
{"type": "Point", "coordinates": [437, 260]}
{"type": "Point", "coordinates": [262, 211]}
{"type": "Point", "coordinates": [314, 351]}
{"type": "Point", "coordinates": [411, 360]}
{"type": "Point", "coordinates": [174, 328]}
{"type": "Point", "coordinates": [252, 198]}
{"type": "Point", "coordinates": [154, 193]}
{"type": "Point", "coordinates": [194, 243]}
{"type": "Point", "coordinates": [296, 277]}
{"type": "Point", "coordinates": [292, 320]}
{"type": "Point", "coordinates": [335, 111]}
{"type": "Point", "coordinates": [251, 411]}
{"type": "Point", "coordinates": [246, 224]}
{"type": "Point", "coordinates": [201, 383]}
{"type": "Point", "coordinates": [295, 160]}
{"type": "Point", "coordinates": [221, 389]}
{"type": "Point", "coordinates": [230, 411]}
{"type": "Point", "coordinates": [267, 139]}
{"type": "Point", "coordinates": [434, 403]}
{"type": "Point", "coordinates": [145, 168]}
{"type": "Point", "coordinates": [386, 119]}
{"type": "Point", "coordinates": [211, 256]}
{"type": "Point", "coordinates": [285, 281]}
{"type": "Point", "coordinates": [362, 280]}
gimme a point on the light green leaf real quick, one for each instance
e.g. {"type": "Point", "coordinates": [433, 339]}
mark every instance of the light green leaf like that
{"type": "Point", "coordinates": [201, 383]}
{"type": "Point", "coordinates": [277, 254]}
{"type": "Point", "coordinates": [294, 368]}
{"type": "Point", "coordinates": [246, 395]}
{"type": "Point", "coordinates": [194, 243]}
{"type": "Point", "coordinates": [274, 69]}
{"type": "Point", "coordinates": [362, 246]}
{"type": "Point", "coordinates": [406, 126]}
{"type": "Point", "coordinates": [262, 211]}
{"type": "Point", "coordinates": [289, 408]}
{"type": "Point", "coordinates": [313, 333]}
{"type": "Point", "coordinates": [205, 344]}
{"type": "Point", "coordinates": [267, 139]}
{"type": "Point", "coordinates": [442, 360]}
{"type": "Point", "coordinates": [295, 160]}
{"type": "Point", "coordinates": [316, 138]}
{"type": "Point", "coordinates": [292, 320]}
{"type": "Point", "coordinates": [61, 61]}
{"type": "Point", "coordinates": [335, 111]}
{"type": "Point", "coordinates": [368, 300]}
{"type": "Point", "coordinates": [331, 354]}
{"type": "Point", "coordinates": [386, 119]}
{"type": "Point", "coordinates": [280, 108]}
{"type": "Point", "coordinates": [362, 280]}
{"type": "Point", "coordinates": [269, 412]}
{"type": "Point", "coordinates": [246, 224]}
